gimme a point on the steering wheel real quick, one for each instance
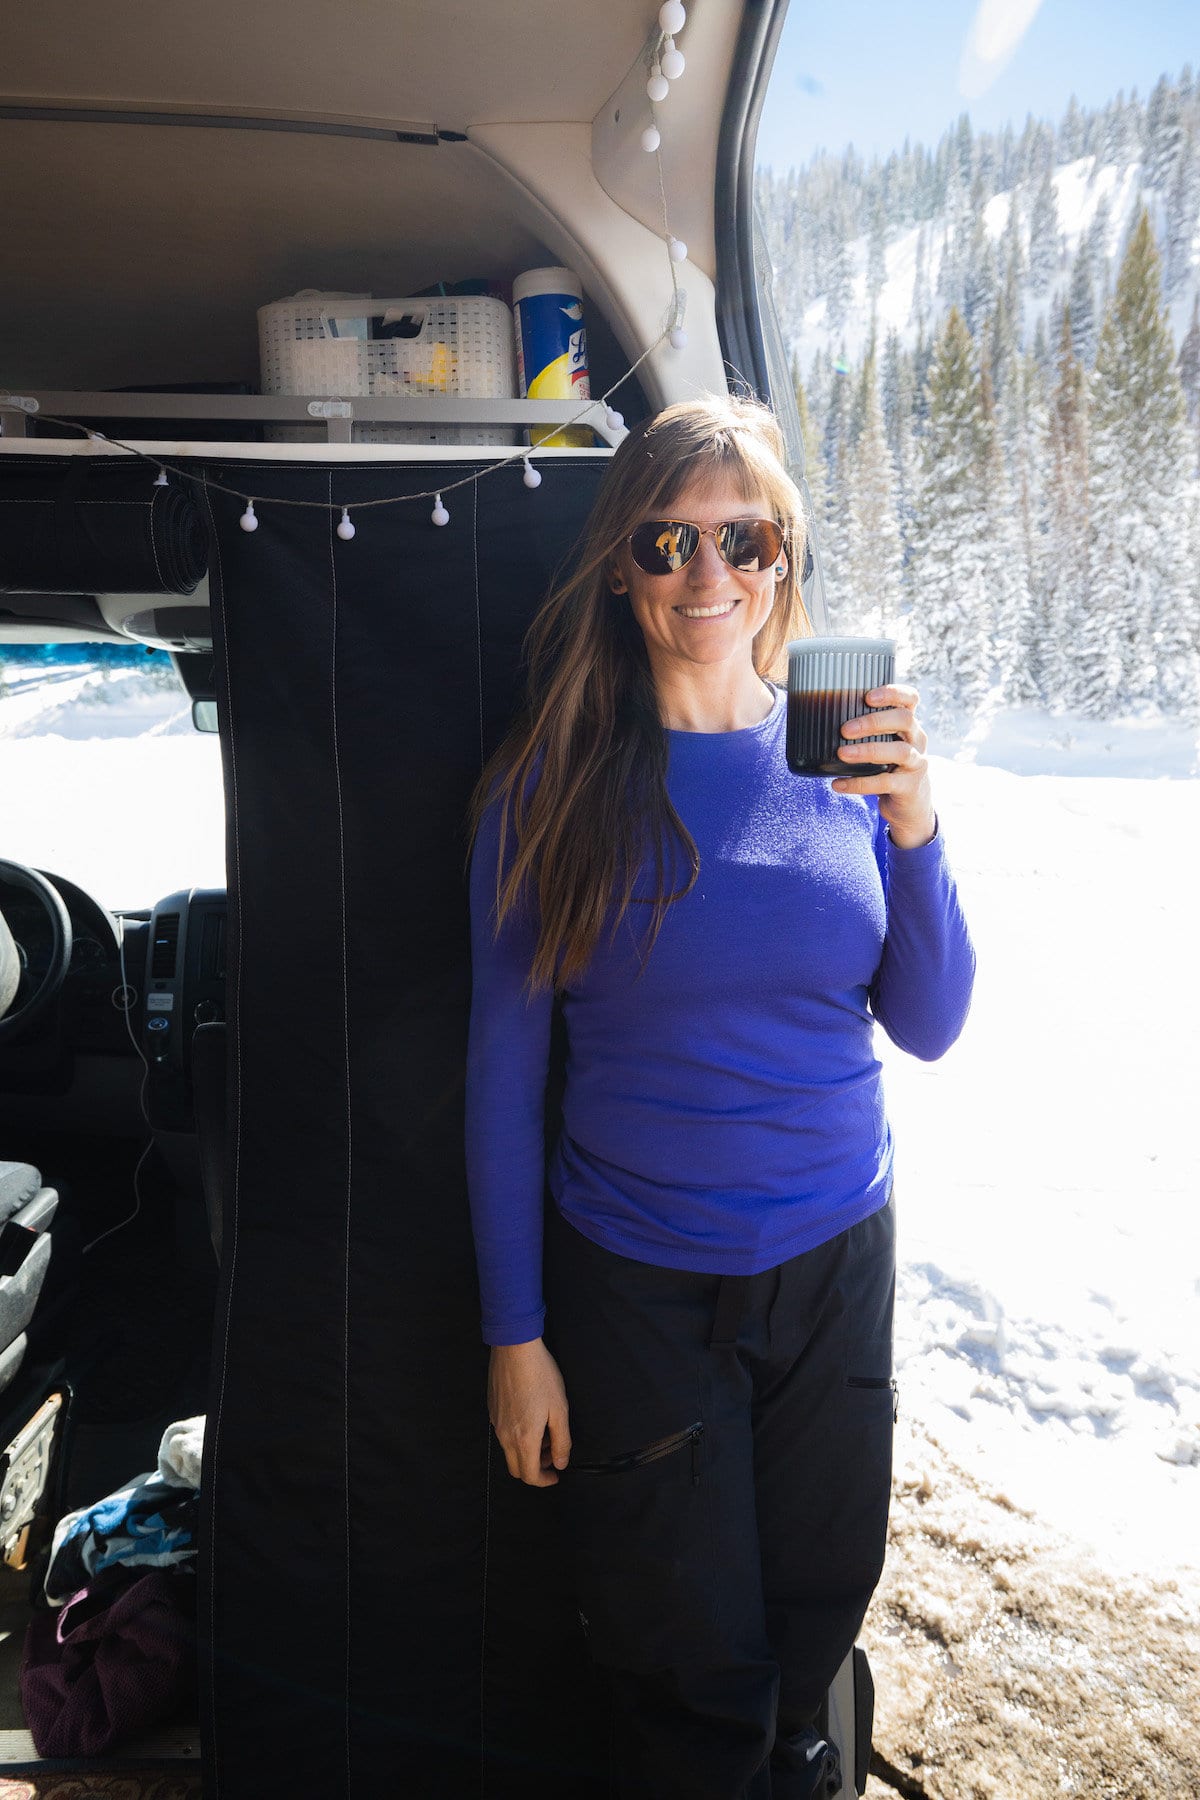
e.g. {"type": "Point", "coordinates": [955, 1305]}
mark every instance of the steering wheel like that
{"type": "Point", "coordinates": [59, 921]}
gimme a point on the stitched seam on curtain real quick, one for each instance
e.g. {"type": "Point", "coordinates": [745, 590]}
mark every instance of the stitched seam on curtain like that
{"type": "Point", "coordinates": [487, 1462]}
{"type": "Point", "coordinates": [228, 1224]}
{"type": "Point", "coordinates": [337, 768]}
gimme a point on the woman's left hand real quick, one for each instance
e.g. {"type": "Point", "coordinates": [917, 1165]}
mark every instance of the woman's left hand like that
{"type": "Point", "coordinates": [905, 799]}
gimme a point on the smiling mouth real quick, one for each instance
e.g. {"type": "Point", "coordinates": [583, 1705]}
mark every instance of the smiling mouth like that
{"type": "Point", "coordinates": [706, 612]}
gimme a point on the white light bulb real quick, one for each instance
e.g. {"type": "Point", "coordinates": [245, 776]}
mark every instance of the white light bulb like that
{"type": "Point", "coordinates": [613, 419]}
{"type": "Point", "coordinates": [658, 87]}
{"type": "Point", "coordinates": [677, 249]}
{"type": "Point", "coordinates": [651, 138]}
{"type": "Point", "coordinates": [439, 515]}
{"type": "Point", "coordinates": [679, 338]}
{"type": "Point", "coordinates": [346, 527]}
{"type": "Point", "coordinates": [161, 480]}
{"type": "Point", "coordinates": [248, 522]}
{"type": "Point", "coordinates": [672, 62]}
{"type": "Point", "coordinates": [532, 477]}
{"type": "Point", "coordinates": [671, 16]}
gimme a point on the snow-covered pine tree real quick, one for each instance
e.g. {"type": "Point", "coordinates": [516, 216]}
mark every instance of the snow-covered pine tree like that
{"type": "Point", "coordinates": [922, 360]}
{"type": "Point", "coordinates": [876, 254]}
{"type": "Point", "coordinates": [980, 280]}
{"type": "Point", "coordinates": [1044, 244]}
{"type": "Point", "coordinates": [814, 467]}
{"type": "Point", "coordinates": [840, 292]}
{"type": "Point", "coordinates": [1096, 243]}
{"type": "Point", "coordinates": [835, 456]}
{"type": "Point", "coordinates": [1182, 213]}
{"type": "Point", "coordinates": [1072, 132]}
{"type": "Point", "coordinates": [1078, 651]}
{"type": "Point", "coordinates": [1023, 429]}
{"type": "Point", "coordinates": [818, 390]}
{"type": "Point", "coordinates": [956, 233]}
{"type": "Point", "coordinates": [921, 299]}
{"type": "Point", "coordinates": [1002, 346]}
{"type": "Point", "coordinates": [1083, 309]}
{"type": "Point", "coordinates": [1010, 623]}
{"type": "Point", "coordinates": [947, 581]}
{"type": "Point", "coordinates": [874, 553]}
{"type": "Point", "coordinates": [1188, 365]}
{"type": "Point", "coordinates": [1140, 468]}
{"type": "Point", "coordinates": [1012, 247]}
{"type": "Point", "coordinates": [889, 385]}
{"type": "Point", "coordinates": [1163, 135]}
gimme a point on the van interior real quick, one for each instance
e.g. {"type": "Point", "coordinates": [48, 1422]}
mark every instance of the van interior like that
{"type": "Point", "coordinates": [165, 173]}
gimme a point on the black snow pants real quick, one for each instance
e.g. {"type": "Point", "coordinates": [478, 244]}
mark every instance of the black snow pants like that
{"type": "Point", "coordinates": [727, 1496]}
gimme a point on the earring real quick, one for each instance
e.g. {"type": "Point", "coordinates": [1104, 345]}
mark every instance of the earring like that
{"type": "Point", "coordinates": [779, 570]}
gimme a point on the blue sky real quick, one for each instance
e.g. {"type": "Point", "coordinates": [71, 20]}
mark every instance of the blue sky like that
{"type": "Point", "coordinates": [869, 71]}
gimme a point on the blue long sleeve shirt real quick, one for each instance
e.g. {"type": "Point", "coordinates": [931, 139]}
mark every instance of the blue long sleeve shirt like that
{"type": "Point", "coordinates": [723, 1108]}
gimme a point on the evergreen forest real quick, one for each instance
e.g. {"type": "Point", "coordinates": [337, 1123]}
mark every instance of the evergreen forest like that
{"type": "Point", "coordinates": [996, 353]}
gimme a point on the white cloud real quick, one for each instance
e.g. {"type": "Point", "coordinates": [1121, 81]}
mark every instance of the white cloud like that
{"type": "Point", "coordinates": [996, 31]}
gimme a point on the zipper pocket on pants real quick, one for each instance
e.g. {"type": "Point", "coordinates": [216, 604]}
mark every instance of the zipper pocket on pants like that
{"type": "Point", "coordinates": [637, 1459]}
{"type": "Point", "coordinates": [878, 1381]}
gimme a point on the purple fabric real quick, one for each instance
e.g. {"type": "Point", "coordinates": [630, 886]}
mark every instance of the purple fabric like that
{"type": "Point", "coordinates": [724, 1108]}
{"type": "Point", "coordinates": [114, 1661]}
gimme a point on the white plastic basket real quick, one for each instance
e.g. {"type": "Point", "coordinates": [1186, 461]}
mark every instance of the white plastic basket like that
{"type": "Point", "coordinates": [318, 344]}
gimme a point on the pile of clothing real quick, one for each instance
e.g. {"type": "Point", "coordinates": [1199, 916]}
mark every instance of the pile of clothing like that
{"type": "Point", "coordinates": [115, 1653]}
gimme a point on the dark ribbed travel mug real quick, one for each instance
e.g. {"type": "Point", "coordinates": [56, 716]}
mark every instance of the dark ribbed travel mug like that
{"type": "Point", "coordinates": [827, 680]}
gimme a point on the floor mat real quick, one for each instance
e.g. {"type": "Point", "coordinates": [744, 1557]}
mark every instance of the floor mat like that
{"type": "Point", "coordinates": [133, 1784]}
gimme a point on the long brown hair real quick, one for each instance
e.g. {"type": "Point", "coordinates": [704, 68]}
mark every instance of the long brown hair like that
{"type": "Point", "coordinates": [581, 778]}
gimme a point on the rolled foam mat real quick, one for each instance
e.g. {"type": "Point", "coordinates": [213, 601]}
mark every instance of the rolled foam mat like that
{"type": "Point", "coordinates": [88, 525]}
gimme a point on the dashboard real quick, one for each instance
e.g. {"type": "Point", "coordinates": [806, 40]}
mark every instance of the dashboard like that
{"type": "Point", "coordinates": [137, 985]}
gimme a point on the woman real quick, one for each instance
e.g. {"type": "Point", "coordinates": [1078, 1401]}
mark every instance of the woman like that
{"type": "Point", "coordinates": [710, 1376]}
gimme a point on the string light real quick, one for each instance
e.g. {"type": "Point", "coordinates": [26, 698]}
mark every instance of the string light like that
{"type": "Point", "coordinates": [671, 17]}
{"type": "Point", "coordinates": [345, 528]}
{"type": "Point", "coordinates": [676, 249]}
{"type": "Point", "coordinates": [672, 62]}
{"type": "Point", "coordinates": [613, 419]}
{"type": "Point", "coordinates": [248, 521]}
{"type": "Point", "coordinates": [658, 87]}
{"type": "Point", "coordinates": [532, 477]}
{"type": "Point", "coordinates": [439, 515]}
{"type": "Point", "coordinates": [162, 478]}
{"type": "Point", "coordinates": [651, 138]}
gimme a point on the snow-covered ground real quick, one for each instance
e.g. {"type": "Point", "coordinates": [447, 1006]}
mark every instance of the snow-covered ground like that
{"type": "Point", "coordinates": [1048, 1326]}
{"type": "Point", "coordinates": [1048, 1178]}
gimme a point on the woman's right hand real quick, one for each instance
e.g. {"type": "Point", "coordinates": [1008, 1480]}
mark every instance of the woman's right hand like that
{"type": "Point", "coordinates": [527, 1404]}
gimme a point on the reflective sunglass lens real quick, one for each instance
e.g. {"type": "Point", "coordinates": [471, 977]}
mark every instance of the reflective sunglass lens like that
{"type": "Point", "coordinates": [663, 545]}
{"type": "Point", "coordinates": [750, 544]}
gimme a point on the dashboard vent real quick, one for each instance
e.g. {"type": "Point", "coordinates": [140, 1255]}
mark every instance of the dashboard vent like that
{"type": "Point", "coordinates": [166, 944]}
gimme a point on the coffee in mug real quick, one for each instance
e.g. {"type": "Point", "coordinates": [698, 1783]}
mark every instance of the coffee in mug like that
{"type": "Point", "coordinates": [827, 680]}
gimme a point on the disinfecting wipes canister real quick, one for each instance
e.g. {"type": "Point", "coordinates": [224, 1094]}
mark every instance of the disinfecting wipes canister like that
{"type": "Point", "coordinates": [552, 347]}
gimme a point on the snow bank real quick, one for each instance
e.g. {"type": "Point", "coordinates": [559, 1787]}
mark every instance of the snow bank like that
{"type": "Point", "coordinates": [1048, 1323]}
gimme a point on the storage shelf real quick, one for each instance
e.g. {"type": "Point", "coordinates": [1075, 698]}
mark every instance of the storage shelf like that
{"type": "Point", "coordinates": [337, 415]}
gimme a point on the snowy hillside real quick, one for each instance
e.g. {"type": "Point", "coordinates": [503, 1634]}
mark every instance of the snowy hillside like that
{"type": "Point", "coordinates": [905, 238]}
{"type": "Point", "coordinates": [1082, 190]}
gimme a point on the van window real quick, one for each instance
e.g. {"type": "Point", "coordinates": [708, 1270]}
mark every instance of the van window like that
{"type": "Point", "coordinates": [106, 781]}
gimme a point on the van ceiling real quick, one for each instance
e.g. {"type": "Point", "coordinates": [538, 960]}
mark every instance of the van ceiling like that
{"type": "Point", "coordinates": [138, 252]}
{"type": "Point", "coordinates": [377, 61]}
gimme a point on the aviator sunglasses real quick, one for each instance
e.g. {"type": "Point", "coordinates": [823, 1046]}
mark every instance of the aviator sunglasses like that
{"type": "Point", "coordinates": [661, 546]}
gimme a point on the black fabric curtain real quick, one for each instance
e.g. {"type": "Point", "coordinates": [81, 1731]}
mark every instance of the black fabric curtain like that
{"type": "Point", "coordinates": [383, 1609]}
{"type": "Point", "coordinates": [84, 525]}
